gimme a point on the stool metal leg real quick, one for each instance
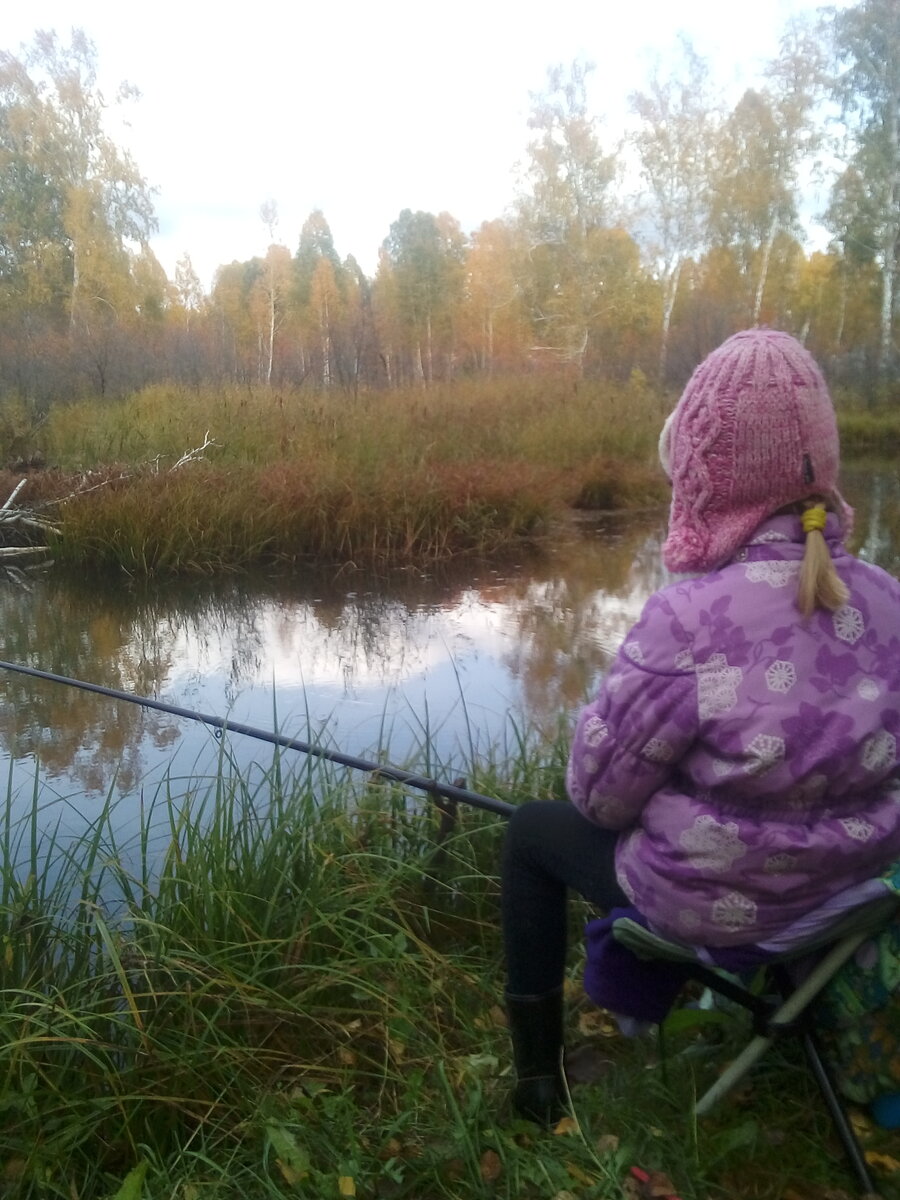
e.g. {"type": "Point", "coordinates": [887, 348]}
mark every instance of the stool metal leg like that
{"type": "Point", "coordinates": [845, 1130]}
{"type": "Point", "coordinates": [787, 1012]}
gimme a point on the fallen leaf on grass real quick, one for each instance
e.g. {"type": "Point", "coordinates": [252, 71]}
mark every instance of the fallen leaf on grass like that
{"type": "Point", "coordinates": [346, 1185]}
{"type": "Point", "coordinates": [862, 1125]}
{"type": "Point", "coordinates": [607, 1143]}
{"type": "Point", "coordinates": [597, 1023]}
{"type": "Point", "coordinates": [631, 1189]}
{"type": "Point", "coordinates": [491, 1166]}
{"type": "Point", "coordinates": [587, 1064]}
{"type": "Point", "coordinates": [396, 1049]}
{"type": "Point", "coordinates": [564, 1126]}
{"type": "Point", "coordinates": [453, 1170]}
{"type": "Point", "coordinates": [578, 1175]}
{"type": "Point", "coordinates": [652, 1185]}
{"type": "Point", "coordinates": [659, 1185]}
{"type": "Point", "coordinates": [482, 1064]}
{"type": "Point", "coordinates": [290, 1156]}
{"type": "Point", "coordinates": [290, 1174]}
{"type": "Point", "coordinates": [884, 1161]}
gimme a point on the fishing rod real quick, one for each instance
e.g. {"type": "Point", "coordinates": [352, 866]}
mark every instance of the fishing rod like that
{"type": "Point", "coordinates": [421, 783]}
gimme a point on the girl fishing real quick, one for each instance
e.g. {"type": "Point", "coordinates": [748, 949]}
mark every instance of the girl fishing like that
{"type": "Point", "coordinates": [739, 767]}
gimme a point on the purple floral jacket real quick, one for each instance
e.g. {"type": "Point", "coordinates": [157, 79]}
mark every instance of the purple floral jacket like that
{"type": "Point", "coordinates": [749, 756]}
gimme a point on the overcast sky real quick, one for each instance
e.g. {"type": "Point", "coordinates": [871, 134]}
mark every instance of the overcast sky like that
{"type": "Point", "coordinates": [365, 107]}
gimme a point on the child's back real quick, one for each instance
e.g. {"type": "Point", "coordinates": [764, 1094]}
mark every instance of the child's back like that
{"type": "Point", "coordinates": [784, 731]}
{"type": "Point", "coordinates": [739, 766]}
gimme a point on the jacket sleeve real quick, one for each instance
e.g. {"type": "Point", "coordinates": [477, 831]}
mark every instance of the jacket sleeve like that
{"type": "Point", "coordinates": [628, 742]}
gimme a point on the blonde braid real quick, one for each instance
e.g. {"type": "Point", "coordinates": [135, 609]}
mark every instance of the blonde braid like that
{"type": "Point", "coordinates": [819, 585]}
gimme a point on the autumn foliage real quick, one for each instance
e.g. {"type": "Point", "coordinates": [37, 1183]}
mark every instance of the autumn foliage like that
{"type": "Point", "coordinates": [611, 258]}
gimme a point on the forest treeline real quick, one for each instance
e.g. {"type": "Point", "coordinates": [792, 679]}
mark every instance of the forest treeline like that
{"type": "Point", "coordinates": [613, 256]}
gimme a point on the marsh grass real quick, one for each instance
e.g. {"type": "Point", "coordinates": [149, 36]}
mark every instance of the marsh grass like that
{"type": "Point", "coordinates": [870, 434]}
{"type": "Point", "coordinates": [297, 993]}
{"type": "Point", "coordinates": [377, 478]}
{"type": "Point", "coordinates": [381, 478]}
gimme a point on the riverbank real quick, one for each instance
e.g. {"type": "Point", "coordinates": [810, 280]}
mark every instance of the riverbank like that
{"type": "Point", "coordinates": [174, 480]}
{"type": "Point", "coordinates": [297, 991]}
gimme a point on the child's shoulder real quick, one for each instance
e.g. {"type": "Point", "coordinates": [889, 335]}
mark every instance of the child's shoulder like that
{"type": "Point", "coordinates": [667, 623]}
{"type": "Point", "coordinates": [711, 600]}
{"type": "Point", "coordinates": [683, 596]}
{"type": "Point", "coordinates": [868, 574]}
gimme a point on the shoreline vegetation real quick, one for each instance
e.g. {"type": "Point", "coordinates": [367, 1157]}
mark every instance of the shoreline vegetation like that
{"type": "Point", "coordinates": [289, 983]}
{"type": "Point", "coordinates": [174, 480]}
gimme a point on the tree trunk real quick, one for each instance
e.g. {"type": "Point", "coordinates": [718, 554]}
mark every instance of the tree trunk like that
{"type": "Point", "coordinates": [271, 357]}
{"type": "Point", "coordinates": [885, 341]}
{"type": "Point", "coordinates": [670, 291]}
{"type": "Point", "coordinates": [842, 305]}
{"type": "Point", "coordinates": [889, 252]}
{"type": "Point", "coordinates": [326, 346]}
{"type": "Point", "coordinates": [76, 280]}
{"type": "Point", "coordinates": [763, 272]}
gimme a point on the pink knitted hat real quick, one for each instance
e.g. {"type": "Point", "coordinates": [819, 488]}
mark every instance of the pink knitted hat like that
{"type": "Point", "coordinates": [754, 430]}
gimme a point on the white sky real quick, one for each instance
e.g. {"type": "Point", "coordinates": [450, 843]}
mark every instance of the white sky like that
{"type": "Point", "coordinates": [365, 107]}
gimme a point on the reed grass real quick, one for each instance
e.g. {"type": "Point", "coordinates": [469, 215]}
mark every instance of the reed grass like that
{"type": "Point", "coordinates": [382, 478]}
{"type": "Point", "coordinates": [287, 984]}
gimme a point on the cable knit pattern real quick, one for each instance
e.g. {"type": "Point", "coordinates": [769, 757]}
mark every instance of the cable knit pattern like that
{"type": "Point", "coordinates": [754, 430]}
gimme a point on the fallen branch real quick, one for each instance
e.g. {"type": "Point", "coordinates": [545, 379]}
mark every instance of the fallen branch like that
{"type": "Point", "coordinates": [83, 490]}
{"type": "Point", "coordinates": [194, 455]}
{"type": "Point", "coordinates": [24, 523]}
{"type": "Point", "coordinates": [7, 552]}
{"type": "Point", "coordinates": [12, 495]}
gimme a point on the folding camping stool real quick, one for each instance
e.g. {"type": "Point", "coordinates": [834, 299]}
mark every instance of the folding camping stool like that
{"type": "Point", "coordinates": [789, 1014]}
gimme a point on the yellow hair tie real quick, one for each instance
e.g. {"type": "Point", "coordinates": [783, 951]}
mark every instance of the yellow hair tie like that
{"type": "Point", "coordinates": [814, 518]}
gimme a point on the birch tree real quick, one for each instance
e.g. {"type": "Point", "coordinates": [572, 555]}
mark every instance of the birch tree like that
{"type": "Point", "coordinates": [567, 200]}
{"type": "Point", "coordinates": [320, 285]}
{"type": "Point", "coordinates": [866, 44]}
{"type": "Point", "coordinates": [495, 323]}
{"type": "Point", "coordinates": [675, 144]}
{"type": "Point", "coordinates": [75, 212]}
{"type": "Point", "coordinates": [423, 258]}
{"type": "Point", "coordinates": [766, 142]}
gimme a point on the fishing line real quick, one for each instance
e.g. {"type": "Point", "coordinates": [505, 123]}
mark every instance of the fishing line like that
{"type": "Point", "coordinates": [421, 783]}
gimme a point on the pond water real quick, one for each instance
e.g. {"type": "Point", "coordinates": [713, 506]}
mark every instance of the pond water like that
{"type": "Point", "coordinates": [455, 661]}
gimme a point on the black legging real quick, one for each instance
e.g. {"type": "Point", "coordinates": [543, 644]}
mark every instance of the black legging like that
{"type": "Point", "coordinates": [549, 848]}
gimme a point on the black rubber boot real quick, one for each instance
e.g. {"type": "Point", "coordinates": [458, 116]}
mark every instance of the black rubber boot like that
{"type": "Point", "coordinates": [536, 1029]}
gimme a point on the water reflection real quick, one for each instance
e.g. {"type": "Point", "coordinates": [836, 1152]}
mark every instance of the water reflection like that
{"type": "Point", "coordinates": [448, 658]}
{"type": "Point", "coordinates": [874, 491]}
{"type": "Point", "coordinates": [361, 664]}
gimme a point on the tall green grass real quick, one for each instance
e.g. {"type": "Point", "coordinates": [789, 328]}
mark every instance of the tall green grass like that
{"type": "Point", "coordinates": [541, 421]}
{"type": "Point", "coordinates": [288, 984]}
